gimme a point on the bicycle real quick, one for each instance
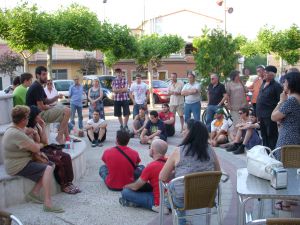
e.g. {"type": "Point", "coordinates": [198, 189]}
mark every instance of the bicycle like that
{"type": "Point", "coordinates": [227, 115]}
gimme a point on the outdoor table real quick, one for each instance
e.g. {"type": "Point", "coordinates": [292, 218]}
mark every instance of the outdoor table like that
{"type": "Point", "coordinates": [252, 187]}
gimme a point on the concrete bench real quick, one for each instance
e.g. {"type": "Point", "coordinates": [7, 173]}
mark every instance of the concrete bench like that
{"type": "Point", "coordinates": [14, 188]}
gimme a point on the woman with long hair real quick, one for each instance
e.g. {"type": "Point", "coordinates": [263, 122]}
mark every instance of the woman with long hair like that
{"type": "Point", "coordinates": [95, 96]}
{"type": "Point", "coordinates": [193, 155]}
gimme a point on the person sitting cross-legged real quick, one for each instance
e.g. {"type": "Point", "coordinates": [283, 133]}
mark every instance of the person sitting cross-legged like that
{"type": "Point", "coordinates": [140, 121]}
{"type": "Point", "coordinates": [219, 129]}
{"type": "Point", "coordinates": [96, 129]}
{"type": "Point", "coordinates": [247, 135]}
{"type": "Point", "coordinates": [118, 170]}
{"type": "Point", "coordinates": [154, 128]}
{"type": "Point", "coordinates": [168, 119]}
{"type": "Point", "coordinates": [133, 193]}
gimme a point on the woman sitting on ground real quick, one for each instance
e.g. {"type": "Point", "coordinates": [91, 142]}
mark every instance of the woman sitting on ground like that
{"type": "Point", "coordinates": [18, 151]}
{"type": "Point", "coordinates": [36, 130]}
{"type": "Point", "coordinates": [193, 155]}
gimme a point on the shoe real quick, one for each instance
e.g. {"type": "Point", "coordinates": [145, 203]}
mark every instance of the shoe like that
{"type": "Point", "coordinates": [126, 128]}
{"type": "Point", "coordinates": [156, 209]}
{"type": "Point", "coordinates": [240, 150]}
{"type": "Point", "coordinates": [30, 197]}
{"type": "Point", "coordinates": [121, 127]}
{"type": "Point", "coordinates": [126, 203]}
{"type": "Point", "coordinates": [233, 147]}
{"type": "Point", "coordinates": [94, 143]}
{"type": "Point", "coordinates": [100, 144]}
{"type": "Point", "coordinates": [53, 209]}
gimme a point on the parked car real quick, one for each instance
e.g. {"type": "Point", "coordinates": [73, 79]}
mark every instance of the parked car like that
{"type": "Point", "coordinates": [160, 91]}
{"type": "Point", "coordinates": [105, 82]}
{"type": "Point", "coordinates": [62, 87]}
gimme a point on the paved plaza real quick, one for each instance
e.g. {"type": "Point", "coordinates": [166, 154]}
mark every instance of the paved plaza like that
{"type": "Point", "coordinates": [96, 205]}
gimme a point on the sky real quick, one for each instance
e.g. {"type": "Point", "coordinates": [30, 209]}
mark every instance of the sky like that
{"type": "Point", "coordinates": [247, 18]}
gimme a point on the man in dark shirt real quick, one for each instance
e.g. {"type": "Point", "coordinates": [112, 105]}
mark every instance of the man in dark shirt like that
{"type": "Point", "coordinates": [216, 95]}
{"type": "Point", "coordinates": [268, 97]}
{"type": "Point", "coordinates": [154, 128]}
{"type": "Point", "coordinates": [50, 114]}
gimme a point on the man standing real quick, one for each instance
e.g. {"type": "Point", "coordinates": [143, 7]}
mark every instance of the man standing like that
{"type": "Point", "coordinates": [216, 95]}
{"type": "Point", "coordinates": [268, 97]}
{"type": "Point", "coordinates": [131, 196]}
{"type": "Point", "coordinates": [255, 87]}
{"type": "Point", "coordinates": [75, 95]}
{"type": "Point", "coordinates": [21, 90]}
{"type": "Point", "coordinates": [176, 99]}
{"type": "Point", "coordinates": [121, 100]}
{"type": "Point", "coordinates": [154, 128]}
{"type": "Point", "coordinates": [50, 114]}
{"type": "Point", "coordinates": [138, 94]}
{"type": "Point", "coordinates": [50, 90]}
{"type": "Point", "coordinates": [168, 119]}
{"type": "Point", "coordinates": [118, 170]}
{"type": "Point", "coordinates": [192, 93]}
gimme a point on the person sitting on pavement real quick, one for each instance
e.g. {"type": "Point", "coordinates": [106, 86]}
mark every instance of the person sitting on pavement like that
{"type": "Point", "coordinates": [132, 195]}
{"type": "Point", "coordinates": [154, 128]}
{"type": "Point", "coordinates": [168, 119]}
{"type": "Point", "coordinates": [50, 114]}
{"type": "Point", "coordinates": [20, 91]}
{"type": "Point", "coordinates": [118, 170]}
{"type": "Point", "coordinates": [193, 155]}
{"type": "Point", "coordinates": [96, 129]}
{"type": "Point", "coordinates": [219, 129]}
{"type": "Point", "coordinates": [36, 129]}
{"type": "Point", "coordinates": [247, 135]}
{"type": "Point", "coordinates": [140, 121]}
{"type": "Point", "coordinates": [18, 151]}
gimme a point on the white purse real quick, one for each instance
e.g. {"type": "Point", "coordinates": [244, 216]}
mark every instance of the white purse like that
{"type": "Point", "coordinates": [259, 163]}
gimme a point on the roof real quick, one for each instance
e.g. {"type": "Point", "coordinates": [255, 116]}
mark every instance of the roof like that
{"type": "Point", "coordinates": [180, 11]}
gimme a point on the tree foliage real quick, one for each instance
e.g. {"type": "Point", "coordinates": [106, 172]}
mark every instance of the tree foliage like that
{"type": "Point", "coordinates": [9, 61]}
{"type": "Point", "coordinates": [216, 52]}
{"type": "Point", "coordinates": [252, 62]}
{"type": "Point", "coordinates": [89, 65]}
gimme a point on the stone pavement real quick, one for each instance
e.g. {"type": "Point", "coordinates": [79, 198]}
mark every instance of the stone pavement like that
{"type": "Point", "coordinates": [96, 205]}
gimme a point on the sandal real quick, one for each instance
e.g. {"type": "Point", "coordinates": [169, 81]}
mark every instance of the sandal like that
{"type": "Point", "coordinates": [74, 187]}
{"type": "Point", "coordinates": [282, 206]}
{"type": "Point", "coordinates": [69, 190]}
{"type": "Point", "coordinates": [53, 209]}
{"type": "Point", "coordinates": [76, 140]}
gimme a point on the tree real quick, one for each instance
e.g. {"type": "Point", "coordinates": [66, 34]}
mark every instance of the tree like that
{"type": "Point", "coordinates": [9, 61]}
{"type": "Point", "coordinates": [252, 62]}
{"type": "Point", "coordinates": [216, 52]}
{"type": "Point", "coordinates": [21, 28]}
{"type": "Point", "coordinates": [151, 49]}
{"type": "Point", "coordinates": [88, 65]}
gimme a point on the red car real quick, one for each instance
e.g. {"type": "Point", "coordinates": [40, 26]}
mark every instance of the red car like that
{"type": "Point", "coordinates": [160, 91]}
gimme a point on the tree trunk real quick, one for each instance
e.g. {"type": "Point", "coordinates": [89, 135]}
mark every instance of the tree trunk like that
{"type": "Point", "coordinates": [150, 78]}
{"type": "Point", "coordinates": [49, 62]}
{"type": "Point", "coordinates": [25, 64]}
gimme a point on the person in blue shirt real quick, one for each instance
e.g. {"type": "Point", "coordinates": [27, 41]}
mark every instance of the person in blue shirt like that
{"type": "Point", "coordinates": [75, 94]}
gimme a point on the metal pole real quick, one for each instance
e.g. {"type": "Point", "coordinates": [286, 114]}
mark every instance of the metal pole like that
{"type": "Point", "coordinates": [225, 19]}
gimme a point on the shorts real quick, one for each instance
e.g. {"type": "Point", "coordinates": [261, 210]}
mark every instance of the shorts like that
{"type": "Point", "coordinates": [118, 105]}
{"type": "Point", "coordinates": [96, 136]}
{"type": "Point", "coordinates": [177, 108]}
{"type": "Point", "coordinates": [54, 114]}
{"type": "Point", "coordinates": [33, 171]}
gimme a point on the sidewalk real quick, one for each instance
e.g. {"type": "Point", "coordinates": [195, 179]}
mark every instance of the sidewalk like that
{"type": "Point", "coordinates": [96, 205]}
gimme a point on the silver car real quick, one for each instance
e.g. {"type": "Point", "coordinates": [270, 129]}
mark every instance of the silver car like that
{"type": "Point", "coordinates": [62, 87]}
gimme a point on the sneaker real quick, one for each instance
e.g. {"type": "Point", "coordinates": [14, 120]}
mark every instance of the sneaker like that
{"type": "Point", "coordinates": [126, 203]}
{"type": "Point", "coordinates": [126, 128]}
{"type": "Point", "coordinates": [121, 127]}
{"type": "Point", "coordinates": [233, 147]}
{"type": "Point", "coordinates": [100, 144]}
{"type": "Point", "coordinates": [156, 209]}
{"type": "Point", "coordinates": [240, 150]}
{"type": "Point", "coordinates": [94, 144]}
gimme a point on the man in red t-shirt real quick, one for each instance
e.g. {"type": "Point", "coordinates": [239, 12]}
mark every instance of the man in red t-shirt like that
{"type": "Point", "coordinates": [118, 171]}
{"type": "Point", "coordinates": [132, 194]}
{"type": "Point", "coordinates": [168, 118]}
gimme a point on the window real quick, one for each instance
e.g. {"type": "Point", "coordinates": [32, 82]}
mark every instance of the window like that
{"type": "Point", "coordinates": [63, 85]}
{"type": "Point", "coordinates": [60, 74]}
{"type": "Point", "coordinates": [159, 84]}
{"type": "Point", "coordinates": [144, 75]}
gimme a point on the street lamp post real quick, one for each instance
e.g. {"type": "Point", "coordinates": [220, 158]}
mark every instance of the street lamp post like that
{"type": "Point", "coordinates": [226, 10]}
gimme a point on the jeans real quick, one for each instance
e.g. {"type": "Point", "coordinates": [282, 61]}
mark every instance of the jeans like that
{"type": "Point", "coordinates": [194, 108]}
{"type": "Point", "coordinates": [136, 109]}
{"type": "Point", "coordinates": [103, 172]}
{"type": "Point", "coordinates": [140, 199]}
{"type": "Point", "coordinates": [210, 112]}
{"type": "Point", "coordinates": [79, 111]}
{"type": "Point", "coordinates": [179, 204]}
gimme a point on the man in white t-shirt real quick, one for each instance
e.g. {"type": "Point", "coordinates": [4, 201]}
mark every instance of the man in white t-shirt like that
{"type": "Point", "coordinates": [50, 91]}
{"type": "Point", "coordinates": [96, 129]}
{"type": "Point", "coordinates": [138, 94]}
{"type": "Point", "coordinates": [192, 93]}
{"type": "Point", "coordinates": [219, 129]}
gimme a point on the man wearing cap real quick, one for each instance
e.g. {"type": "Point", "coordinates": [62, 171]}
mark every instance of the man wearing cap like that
{"type": "Point", "coordinates": [216, 95]}
{"type": "Point", "coordinates": [268, 97]}
{"type": "Point", "coordinates": [255, 87]}
{"type": "Point", "coordinates": [219, 129]}
{"type": "Point", "coordinates": [192, 93]}
{"type": "Point", "coordinates": [75, 95]}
